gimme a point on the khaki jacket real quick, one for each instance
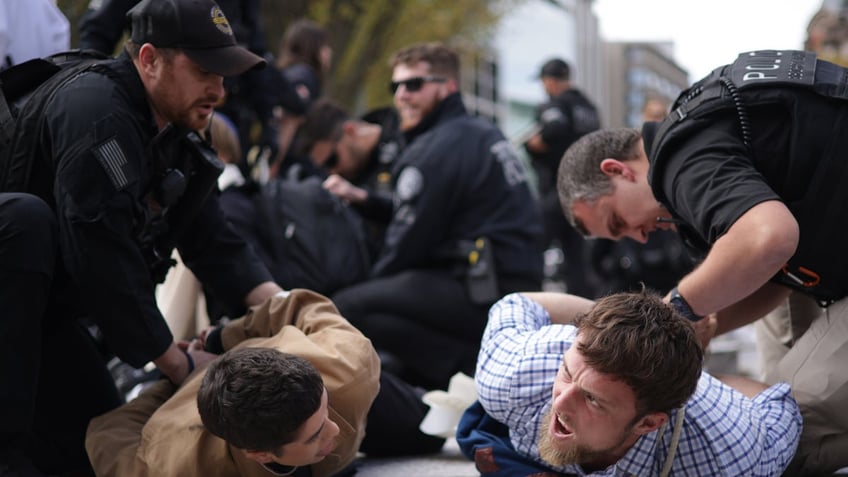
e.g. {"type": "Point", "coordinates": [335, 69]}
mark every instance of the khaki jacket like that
{"type": "Point", "coordinates": [160, 433]}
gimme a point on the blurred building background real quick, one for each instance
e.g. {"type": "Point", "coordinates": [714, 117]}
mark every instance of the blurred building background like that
{"type": "Point", "coordinates": [617, 76]}
{"type": "Point", "coordinates": [636, 72]}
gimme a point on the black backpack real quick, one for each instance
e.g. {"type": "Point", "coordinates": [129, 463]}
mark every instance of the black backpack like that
{"type": "Point", "coordinates": [27, 81]}
{"type": "Point", "coordinates": [307, 237]}
{"type": "Point", "coordinates": [316, 241]}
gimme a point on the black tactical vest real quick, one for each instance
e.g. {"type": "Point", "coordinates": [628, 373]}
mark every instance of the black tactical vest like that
{"type": "Point", "coordinates": [771, 77]}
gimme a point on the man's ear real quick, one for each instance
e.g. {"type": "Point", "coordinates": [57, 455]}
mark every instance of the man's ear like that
{"type": "Point", "coordinates": [263, 457]}
{"type": "Point", "coordinates": [614, 167]}
{"type": "Point", "coordinates": [148, 59]}
{"type": "Point", "coordinates": [650, 422]}
{"type": "Point", "coordinates": [450, 86]}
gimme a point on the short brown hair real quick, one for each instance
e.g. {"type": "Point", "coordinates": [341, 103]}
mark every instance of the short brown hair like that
{"type": "Point", "coordinates": [258, 398]}
{"type": "Point", "coordinates": [644, 342]}
{"type": "Point", "coordinates": [443, 61]}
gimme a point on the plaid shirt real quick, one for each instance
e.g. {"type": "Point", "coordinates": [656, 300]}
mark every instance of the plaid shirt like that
{"type": "Point", "coordinates": [724, 433]}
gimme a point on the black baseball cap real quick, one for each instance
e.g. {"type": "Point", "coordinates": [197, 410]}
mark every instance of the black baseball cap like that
{"type": "Point", "coordinates": [555, 68]}
{"type": "Point", "coordinates": [198, 28]}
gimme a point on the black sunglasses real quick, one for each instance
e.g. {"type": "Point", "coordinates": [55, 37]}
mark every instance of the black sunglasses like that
{"type": "Point", "coordinates": [414, 84]}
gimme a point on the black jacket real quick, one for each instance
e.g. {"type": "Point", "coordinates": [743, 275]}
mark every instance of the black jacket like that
{"type": "Point", "coordinates": [92, 164]}
{"type": "Point", "coordinates": [458, 178]}
{"type": "Point", "coordinates": [562, 121]}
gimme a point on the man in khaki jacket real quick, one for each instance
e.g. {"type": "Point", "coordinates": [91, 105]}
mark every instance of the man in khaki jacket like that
{"type": "Point", "coordinates": [161, 432]}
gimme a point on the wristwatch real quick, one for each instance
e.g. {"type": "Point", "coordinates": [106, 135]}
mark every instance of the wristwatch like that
{"type": "Point", "coordinates": [679, 304]}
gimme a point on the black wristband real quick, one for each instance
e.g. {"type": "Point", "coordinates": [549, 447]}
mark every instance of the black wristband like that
{"type": "Point", "coordinates": [190, 362]}
{"type": "Point", "coordinates": [679, 303]}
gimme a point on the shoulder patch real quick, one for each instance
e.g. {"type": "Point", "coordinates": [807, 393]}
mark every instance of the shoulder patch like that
{"type": "Point", "coordinates": [388, 152]}
{"type": "Point", "coordinates": [507, 156]}
{"type": "Point", "coordinates": [114, 162]}
{"type": "Point", "coordinates": [409, 184]}
{"type": "Point", "coordinates": [550, 115]}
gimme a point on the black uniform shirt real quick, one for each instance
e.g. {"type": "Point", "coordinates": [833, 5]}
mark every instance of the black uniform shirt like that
{"type": "Point", "coordinates": [709, 182]}
{"type": "Point", "coordinates": [91, 144]}
{"type": "Point", "coordinates": [565, 119]}
{"type": "Point", "coordinates": [376, 177]}
{"type": "Point", "coordinates": [377, 174]}
{"type": "Point", "coordinates": [708, 177]}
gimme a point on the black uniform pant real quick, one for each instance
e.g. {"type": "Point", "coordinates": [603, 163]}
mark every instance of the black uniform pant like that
{"type": "Point", "coordinates": [423, 319]}
{"type": "Point", "coordinates": [52, 376]}
{"type": "Point", "coordinates": [393, 421]}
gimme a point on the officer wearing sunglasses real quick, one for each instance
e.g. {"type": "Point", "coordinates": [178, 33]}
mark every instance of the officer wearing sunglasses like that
{"type": "Point", "coordinates": [413, 85]}
{"type": "Point", "coordinates": [457, 182]}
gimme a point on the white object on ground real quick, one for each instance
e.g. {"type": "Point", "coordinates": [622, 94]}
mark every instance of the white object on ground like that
{"type": "Point", "coordinates": [446, 408]}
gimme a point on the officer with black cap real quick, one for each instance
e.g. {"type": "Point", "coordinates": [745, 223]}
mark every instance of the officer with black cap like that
{"type": "Point", "coordinates": [112, 147]}
{"type": "Point", "coordinates": [567, 115]}
{"type": "Point", "coordinates": [251, 96]}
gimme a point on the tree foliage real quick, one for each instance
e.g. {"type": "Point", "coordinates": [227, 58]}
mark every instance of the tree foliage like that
{"type": "Point", "coordinates": [364, 34]}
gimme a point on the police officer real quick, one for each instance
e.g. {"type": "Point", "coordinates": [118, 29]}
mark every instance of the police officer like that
{"type": "Point", "coordinates": [560, 121]}
{"type": "Point", "coordinates": [749, 167]}
{"type": "Point", "coordinates": [251, 96]}
{"type": "Point", "coordinates": [356, 156]}
{"type": "Point", "coordinates": [111, 148]}
{"type": "Point", "coordinates": [456, 181]}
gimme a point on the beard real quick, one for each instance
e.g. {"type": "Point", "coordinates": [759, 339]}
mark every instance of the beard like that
{"type": "Point", "coordinates": [411, 115]}
{"type": "Point", "coordinates": [410, 119]}
{"type": "Point", "coordinates": [575, 452]}
{"type": "Point", "coordinates": [171, 105]}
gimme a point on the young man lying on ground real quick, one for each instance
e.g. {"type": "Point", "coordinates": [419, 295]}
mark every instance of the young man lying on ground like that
{"type": "Point", "coordinates": [289, 397]}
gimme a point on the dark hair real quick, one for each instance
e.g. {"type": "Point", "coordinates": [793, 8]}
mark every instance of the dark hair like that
{"type": "Point", "coordinates": [645, 343]}
{"type": "Point", "coordinates": [258, 398]}
{"type": "Point", "coordinates": [302, 43]}
{"type": "Point", "coordinates": [324, 121]}
{"type": "Point", "coordinates": [579, 177]}
{"type": "Point", "coordinates": [443, 61]}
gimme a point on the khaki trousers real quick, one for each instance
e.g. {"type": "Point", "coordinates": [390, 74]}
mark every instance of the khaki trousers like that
{"type": "Point", "coordinates": [807, 346]}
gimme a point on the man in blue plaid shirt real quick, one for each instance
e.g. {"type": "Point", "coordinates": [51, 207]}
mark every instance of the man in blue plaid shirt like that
{"type": "Point", "coordinates": [629, 396]}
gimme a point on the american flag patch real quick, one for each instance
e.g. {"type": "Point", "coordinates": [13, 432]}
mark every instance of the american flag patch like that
{"type": "Point", "coordinates": [114, 162]}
